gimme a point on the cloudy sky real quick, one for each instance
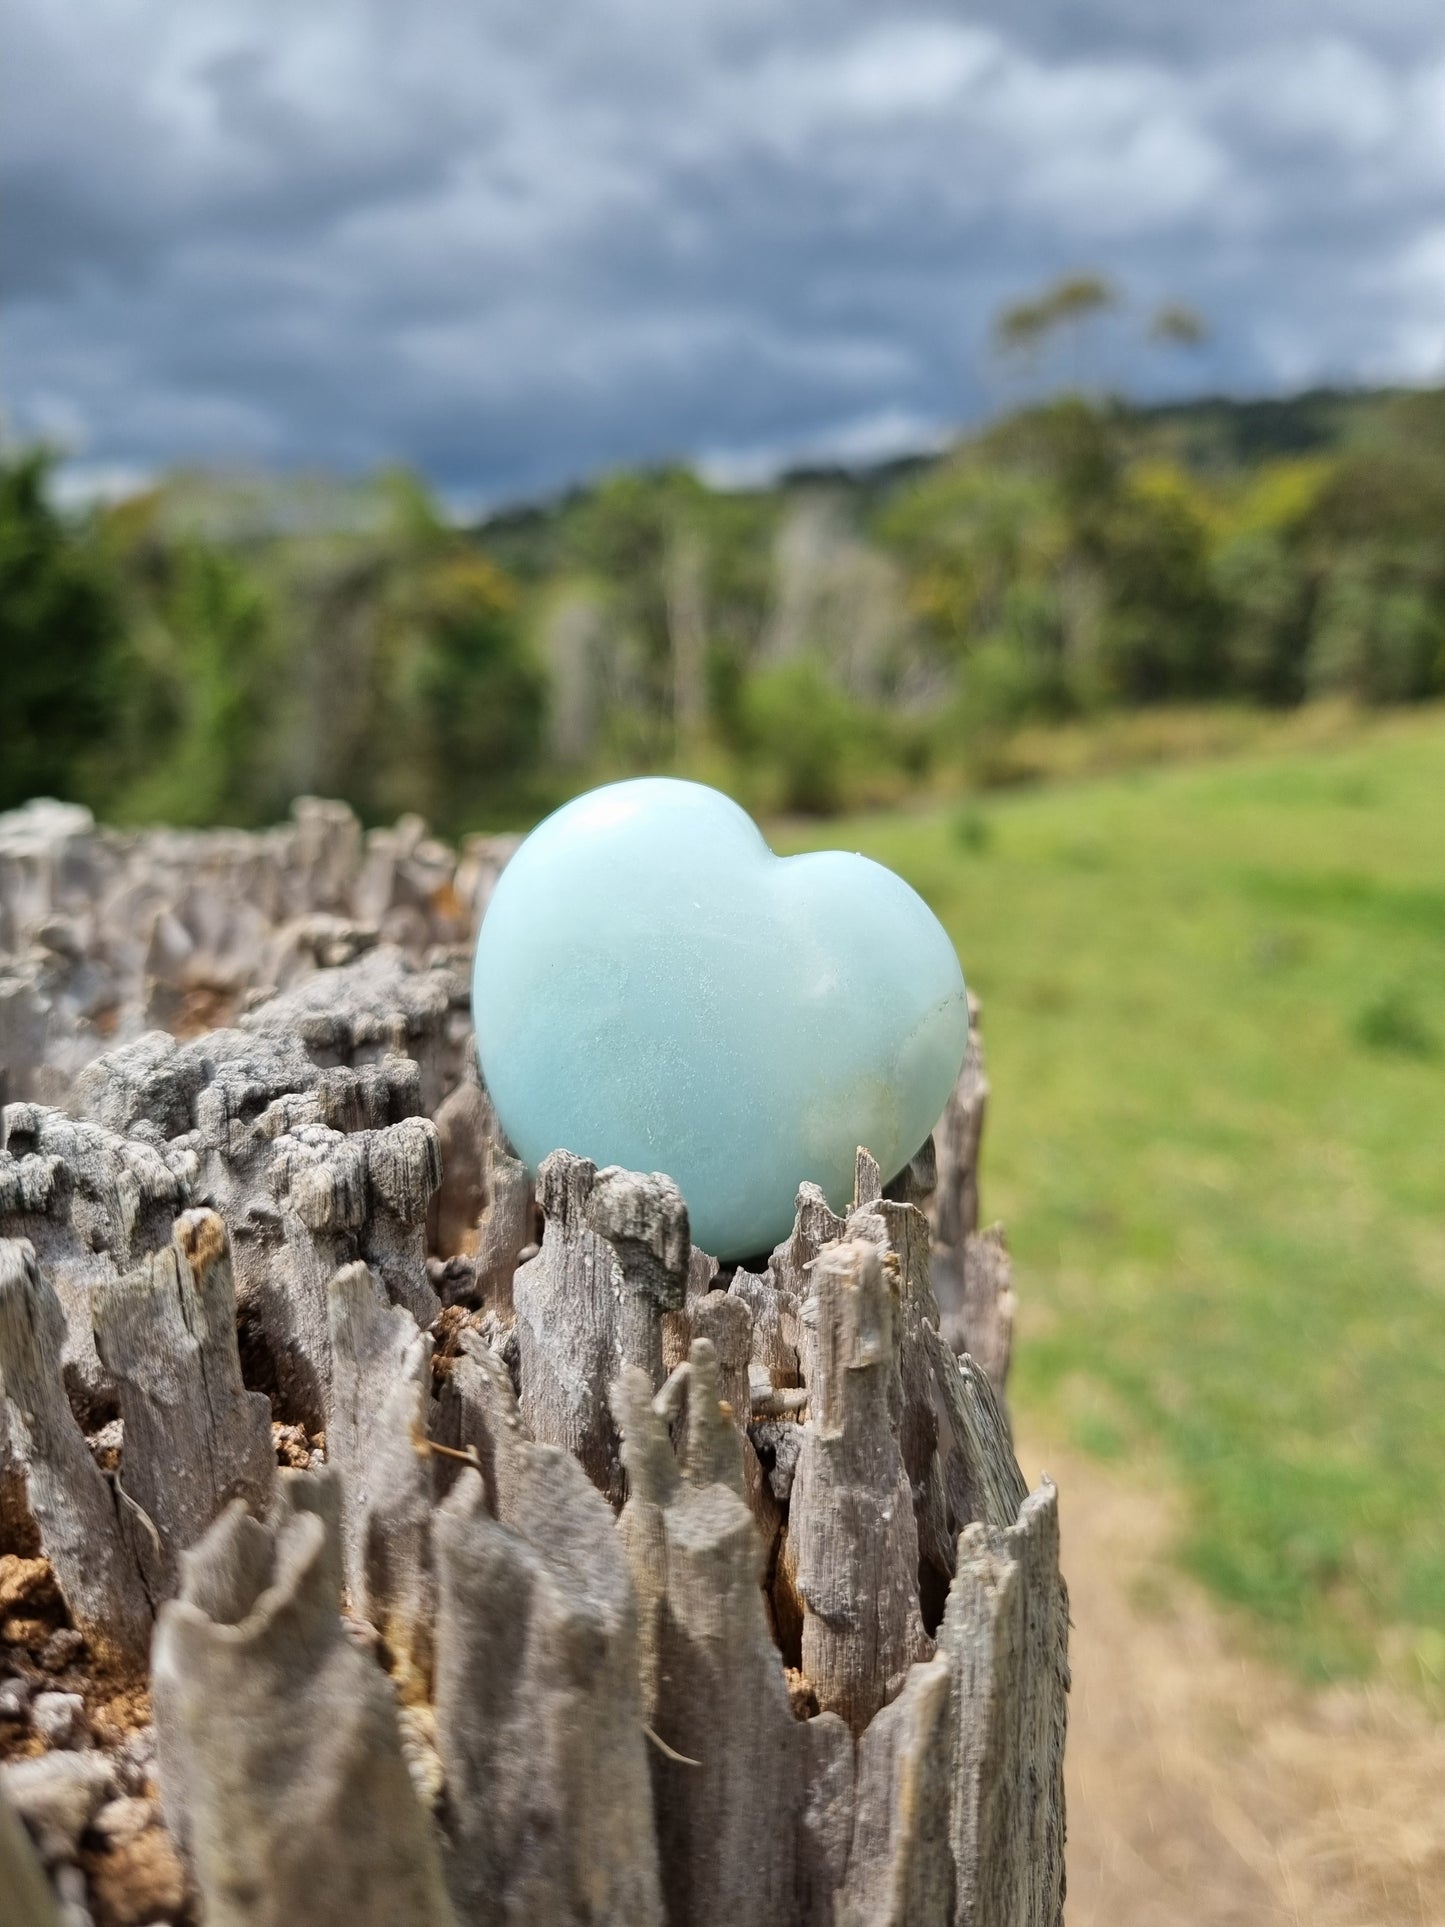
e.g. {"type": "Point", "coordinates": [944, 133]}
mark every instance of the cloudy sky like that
{"type": "Point", "coordinates": [513, 241]}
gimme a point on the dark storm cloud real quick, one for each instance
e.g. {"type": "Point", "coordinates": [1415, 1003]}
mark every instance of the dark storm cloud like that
{"type": "Point", "coordinates": [512, 243]}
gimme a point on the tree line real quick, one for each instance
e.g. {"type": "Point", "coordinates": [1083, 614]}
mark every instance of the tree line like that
{"type": "Point", "coordinates": [206, 650]}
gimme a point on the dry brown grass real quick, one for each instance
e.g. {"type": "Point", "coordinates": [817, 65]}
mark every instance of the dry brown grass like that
{"type": "Point", "coordinates": [1205, 1789]}
{"type": "Point", "coordinates": [1127, 739]}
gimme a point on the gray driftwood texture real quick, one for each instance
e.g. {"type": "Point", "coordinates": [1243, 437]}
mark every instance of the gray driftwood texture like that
{"type": "Point", "coordinates": [195, 1438]}
{"type": "Point", "coordinates": [281, 1751]}
{"type": "Point", "coordinates": [381, 1397]}
{"type": "Point", "coordinates": [728, 1777]}
{"type": "Point", "coordinates": [76, 1512]}
{"type": "Point", "coordinates": [854, 1543]}
{"type": "Point", "coordinates": [105, 935]}
{"type": "Point", "coordinates": [539, 1722]}
{"type": "Point", "coordinates": [1005, 1635]}
{"type": "Point", "coordinates": [633, 1590]}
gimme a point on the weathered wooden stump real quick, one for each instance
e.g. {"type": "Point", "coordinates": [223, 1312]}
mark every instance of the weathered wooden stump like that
{"type": "Point", "coordinates": [471, 1578]}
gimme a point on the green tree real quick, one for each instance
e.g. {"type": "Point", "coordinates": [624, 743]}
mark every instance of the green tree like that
{"type": "Point", "coordinates": [1374, 536]}
{"type": "Point", "coordinates": [222, 623]}
{"type": "Point", "coordinates": [1177, 326]}
{"type": "Point", "coordinates": [806, 737]}
{"type": "Point", "coordinates": [1380, 635]}
{"type": "Point", "coordinates": [60, 628]}
{"type": "Point", "coordinates": [471, 704]}
{"type": "Point", "coordinates": [1162, 634]}
{"type": "Point", "coordinates": [1266, 574]}
{"type": "Point", "coordinates": [627, 534]}
{"type": "Point", "coordinates": [284, 638]}
{"type": "Point", "coordinates": [1026, 329]}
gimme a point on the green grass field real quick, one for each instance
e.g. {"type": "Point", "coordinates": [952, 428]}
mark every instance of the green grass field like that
{"type": "Point", "coordinates": [1214, 1015]}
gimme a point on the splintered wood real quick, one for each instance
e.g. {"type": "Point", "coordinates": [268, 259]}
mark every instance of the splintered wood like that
{"type": "Point", "coordinates": [281, 1759]}
{"type": "Point", "coordinates": [851, 1523]}
{"type": "Point", "coordinates": [633, 1591]}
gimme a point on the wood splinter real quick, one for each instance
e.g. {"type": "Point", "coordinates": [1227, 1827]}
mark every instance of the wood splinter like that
{"type": "Point", "coordinates": [852, 1540]}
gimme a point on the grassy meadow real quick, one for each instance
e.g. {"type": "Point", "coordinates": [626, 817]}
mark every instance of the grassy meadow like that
{"type": "Point", "coordinates": [1214, 1014]}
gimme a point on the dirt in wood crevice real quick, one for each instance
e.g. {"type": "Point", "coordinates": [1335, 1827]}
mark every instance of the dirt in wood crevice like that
{"type": "Point", "coordinates": [37, 1643]}
{"type": "Point", "coordinates": [136, 1881]}
{"type": "Point", "coordinates": [133, 1873]}
{"type": "Point", "coordinates": [1206, 1789]}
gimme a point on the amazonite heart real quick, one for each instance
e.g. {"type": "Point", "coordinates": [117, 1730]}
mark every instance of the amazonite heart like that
{"type": "Point", "coordinates": [655, 989]}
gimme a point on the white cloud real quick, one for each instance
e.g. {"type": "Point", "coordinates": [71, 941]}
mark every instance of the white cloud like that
{"type": "Point", "coordinates": [906, 69]}
{"type": "Point", "coordinates": [1326, 93]}
{"type": "Point", "coordinates": [1415, 350]}
{"type": "Point", "coordinates": [512, 243]}
{"type": "Point", "coordinates": [1127, 171]}
{"type": "Point", "coordinates": [83, 485]}
{"type": "Point", "coordinates": [875, 437]}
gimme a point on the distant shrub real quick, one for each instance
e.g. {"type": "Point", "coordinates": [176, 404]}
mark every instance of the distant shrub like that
{"type": "Point", "coordinates": [1380, 637]}
{"type": "Point", "coordinates": [812, 744]}
{"type": "Point", "coordinates": [1392, 1021]}
{"type": "Point", "coordinates": [200, 697]}
{"type": "Point", "coordinates": [971, 830]}
{"type": "Point", "coordinates": [1005, 683]}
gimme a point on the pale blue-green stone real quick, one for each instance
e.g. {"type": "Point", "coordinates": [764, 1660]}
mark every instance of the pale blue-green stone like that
{"type": "Point", "coordinates": [655, 989]}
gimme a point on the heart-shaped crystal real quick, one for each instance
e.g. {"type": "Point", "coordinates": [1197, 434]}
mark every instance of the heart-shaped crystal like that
{"type": "Point", "coordinates": [655, 988]}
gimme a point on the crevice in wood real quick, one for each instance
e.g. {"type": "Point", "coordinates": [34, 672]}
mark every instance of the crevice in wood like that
{"type": "Point", "coordinates": [901, 1233]}
{"type": "Point", "coordinates": [195, 1438]}
{"type": "Point", "coordinates": [78, 1517]}
{"type": "Point", "coordinates": [380, 1398]}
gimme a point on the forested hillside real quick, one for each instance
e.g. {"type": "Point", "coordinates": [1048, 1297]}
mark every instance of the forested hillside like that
{"type": "Point", "coordinates": [208, 649]}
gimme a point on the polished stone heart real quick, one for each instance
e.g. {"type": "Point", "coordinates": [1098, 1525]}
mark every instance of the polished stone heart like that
{"type": "Point", "coordinates": [655, 989]}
